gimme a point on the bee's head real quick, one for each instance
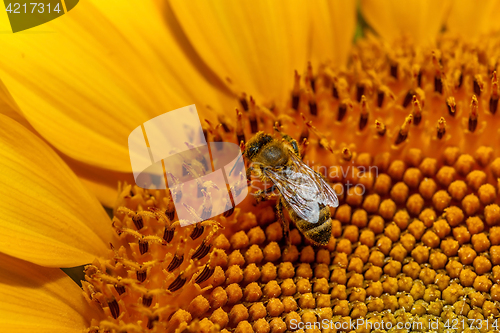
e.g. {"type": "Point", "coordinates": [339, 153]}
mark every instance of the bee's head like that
{"type": "Point", "coordinates": [255, 144]}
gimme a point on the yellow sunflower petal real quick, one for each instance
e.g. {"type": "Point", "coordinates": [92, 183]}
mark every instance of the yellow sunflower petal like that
{"type": "Point", "coordinates": [105, 190]}
{"type": "Point", "coordinates": [40, 299]}
{"type": "Point", "coordinates": [48, 217]}
{"type": "Point", "coordinates": [334, 23]}
{"type": "Point", "coordinates": [472, 18]}
{"type": "Point", "coordinates": [9, 107]}
{"type": "Point", "coordinates": [419, 19]}
{"type": "Point", "coordinates": [87, 79]}
{"type": "Point", "coordinates": [100, 182]}
{"type": "Point", "coordinates": [255, 44]}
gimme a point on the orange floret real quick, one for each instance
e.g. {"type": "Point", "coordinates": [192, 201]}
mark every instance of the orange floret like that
{"type": "Point", "coordinates": [487, 194]}
{"type": "Point", "coordinates": [239, 240]}
{"type": "Point", "coordinates": [438, 260]}
{"type": "Point", "coordinates": [218, 298]}
{"type": "Point", "coordinates": [272, 289]}
{"type": "Point", "coordinates": [474, 225]}
{"type": "Point", "coordinates": [476, 179]}
{"type": "Point", "coordinates": [307, 301]}
{"type": "Point", "coordinates": [237, 314]}
{"type": "Point", "coordinates": [492, 215]}
{"type": "Point", "coordinates": [408, 241]}
{"type": "Point", "coordinates": [412, 177]}
{"type": "Point", "coordinates": [254, 254]}
{"type": "Point", "coordinates": [392, 231]}
{"type": "Point", "coordinates": [274, 232]}
{"type": "Point", "coordinates": [272, 252]}
{"type": "Point", "coordinates": [257, 311]}
{"type": "Point", "coordinates": [382, 184]}
{"type": "Point", "coordinates": [371, 203]}
{"type": "Point", "coordinates": [268, 273]}
{"type": "Point", "coordinates": [359, 219]}
{"type": "Point", "coordinates": [373, 273]}
{"type": "Point", "coordinates": [399, 193]}
{"type": "Point", "coordinates": [277, 325]}
{"type": "Point", "coordinates": [234, 274]}
{"type": "Point", "coordinates": [480, 242]}
{"type": "Point", "coordinates": [441, 228]}
{"type": "Point", "coordinates": [450, 247]}
{"type": "Point", "coordinates": [252, 292]}
{"type": "Point", "coordinates": [446, 175]}
{"type": "Point", "coordinates": [288, 287]}
{"type": "Point", "coordinates": [470, 204]}
{"type": "Point", "coordinates": [387, 209]}
{"type": "Point", "coordinates": [351, 233]}
{"type": "Point", "coordinates": [429, 167]}
{"type": "Point", "coordinates": [251, 274]}
{"type": "Point", "coordinates": [304, 271]}
{"type": "Point", "coordinates": [428, 216]}
{"type": "Point", "coordinates": [289, 304]}
{"type": "Point", "coordinates": [376, 224]}
{"type": "Point", "coordinates": [415, 204]}
{"type": "Point", "coordinates": [275, 307]}
{"type": "Point", "coordinates": [256, 236]}
{"type": "Point", "coordinates": [466, 255]}
{"type": "Point", "coordinates": [482, 265]}
{"type": "Point", "coordinates": [441, 200]}
{"type": "Point", "coordinates": [454, 215]}
{"type": "Point", "coordinates": [457, 189]}
{"type": "Point", "coordinates": [234, 293]}
{"type": "Point", "coordinates": [420, 254]}
{"type": "Point", "coordinates": [236, 258]}
{"type": "Point", "coordinates": [261, 326]}
{"type": "Point", "coordinates": [396, 170]}
{"type": "Point", "coordinates": [220, 317]}
{"type": "Point", "coordinates": [343, 214]}
{"type": "Point", "coordinates": [464, 164]}
{"type": "Point", "coordinates": [431, 239]}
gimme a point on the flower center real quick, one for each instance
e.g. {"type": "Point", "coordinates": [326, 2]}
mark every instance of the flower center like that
{"type": "Point", "coordinates": [403, 134]}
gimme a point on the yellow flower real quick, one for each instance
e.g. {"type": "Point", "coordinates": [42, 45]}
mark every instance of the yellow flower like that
{"type": "Point", "coordinates": [85, 80]}
{"type": "Point", "coordinates": [48, 219]}
{"type": "Point", "coordinates": [415, 104]}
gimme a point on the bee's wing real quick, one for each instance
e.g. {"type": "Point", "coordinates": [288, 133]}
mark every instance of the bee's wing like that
{"type": "Point", "coordinates": [299, 192]}
{"type": "Point", "coordinates": [327, 195]}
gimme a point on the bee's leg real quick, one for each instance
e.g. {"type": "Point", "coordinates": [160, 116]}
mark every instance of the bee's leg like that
{"type": "Point", "coordinates": [263, 195]}
{"type": "Point", "coordinates": [284, 223]}
{"type": "Point", "coordinates": [249, 173]}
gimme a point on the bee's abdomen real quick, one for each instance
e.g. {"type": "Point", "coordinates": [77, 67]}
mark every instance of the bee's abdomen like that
{"type": "Point", "coordinates": [319, 232]}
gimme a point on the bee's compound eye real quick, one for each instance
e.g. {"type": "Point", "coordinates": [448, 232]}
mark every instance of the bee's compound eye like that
{"type": "Point", "coordinates": [252, 151]}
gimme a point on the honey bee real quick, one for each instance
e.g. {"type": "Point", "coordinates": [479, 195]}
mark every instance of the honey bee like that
{"type": "Point", "coordinates": [301, 190]}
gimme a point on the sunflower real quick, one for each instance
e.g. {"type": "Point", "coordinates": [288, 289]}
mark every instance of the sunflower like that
{"type": "Point", "coordinates": [401, 123]}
